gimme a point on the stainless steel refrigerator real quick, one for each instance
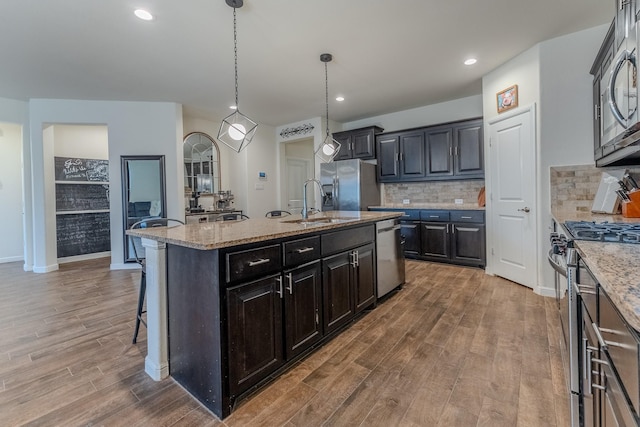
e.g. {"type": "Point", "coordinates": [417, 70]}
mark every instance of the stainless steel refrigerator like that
{"type": "Point", "coordinates": [349, 185]}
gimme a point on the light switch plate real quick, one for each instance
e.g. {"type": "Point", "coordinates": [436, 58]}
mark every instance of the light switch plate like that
{"type": "Point", "coordinates": [458, 201]}
{"type": "Point", "coordinates": [406, 201]}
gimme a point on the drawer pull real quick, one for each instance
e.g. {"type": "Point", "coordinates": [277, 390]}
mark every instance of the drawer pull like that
{"type": "Point", "coordinates": [603, 343]}
{"type": "Point", "coordinates": [587, 290]}
{"type": "Point", "coordinates": [304, 250]}
{"type": "Point", "coordinates": [434, 216]}
{"type": "Point", "coordinates": [259, 262]}
{"type": "Point", "coordinates": [465, 217]}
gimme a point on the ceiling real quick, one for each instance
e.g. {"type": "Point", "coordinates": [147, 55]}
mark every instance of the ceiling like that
{"type": "Point", "coordinates": [388, 55]}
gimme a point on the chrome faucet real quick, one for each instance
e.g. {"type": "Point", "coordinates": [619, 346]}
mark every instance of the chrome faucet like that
{"type": "Point", "coordinates": [305, 212]}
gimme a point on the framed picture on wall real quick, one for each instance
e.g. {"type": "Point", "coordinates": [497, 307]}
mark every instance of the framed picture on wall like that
{"type": "Point", "coordinates": [507, 99]}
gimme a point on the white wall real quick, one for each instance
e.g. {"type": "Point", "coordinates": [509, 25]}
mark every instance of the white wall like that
{"type": "Point", "coordinates": [11, 230]}
{"type": "Point", "coordinates": [17, 112]}
{"type": "Point", "coordinates": [82, 141]}
{"type": "Point", "coordinates": [134, 128]}
{"type": "Point", "coordinates": [554, 75]}
{"type": "Point", "coordinates": [458, 109]}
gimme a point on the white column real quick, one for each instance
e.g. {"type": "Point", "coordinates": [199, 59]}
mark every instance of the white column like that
{"type": "Point", "coordinates": [156, 363]}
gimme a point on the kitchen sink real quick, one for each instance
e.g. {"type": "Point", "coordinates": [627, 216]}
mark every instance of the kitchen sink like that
{"type": "Point", "coordinates": [320, 221]}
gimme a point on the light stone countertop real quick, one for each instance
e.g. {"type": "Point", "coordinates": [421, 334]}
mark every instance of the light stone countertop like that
{"type": "Point", "coordinates": [616, 266]}
{"type": "Point", "coordinates": [447, 206]}
{"type": "Point", "coordinates": [562, 216]}
{"type": "Point", "coordinates": [222, 234]}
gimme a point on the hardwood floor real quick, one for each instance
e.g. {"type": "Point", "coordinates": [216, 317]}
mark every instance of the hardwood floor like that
{"type": "Point", "coordinates": [454, 347]}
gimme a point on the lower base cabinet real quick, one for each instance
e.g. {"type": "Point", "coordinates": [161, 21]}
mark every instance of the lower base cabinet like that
{"type": "Point", "coordinates": [239, 316]}
{"type": "Point", "coordinates": [254, 328]}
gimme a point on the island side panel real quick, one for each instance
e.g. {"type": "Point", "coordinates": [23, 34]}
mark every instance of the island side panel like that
{"type": "Point", "coordinates": [196, 340]}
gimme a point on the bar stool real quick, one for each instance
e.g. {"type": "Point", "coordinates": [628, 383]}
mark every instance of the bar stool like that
{"type": "Point", "coordinates": [272, 214]}
{"type": "Point", "coordinates": [140, 259]}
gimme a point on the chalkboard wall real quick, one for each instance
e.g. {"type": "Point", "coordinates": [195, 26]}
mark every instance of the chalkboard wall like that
{"type": "Point", "coordinates": [80, 234]}
{"type": "Point", "coordinates": [82, 185]}
{"type": "Point", "coordinates": [74, 169]}
{"type": "Point", "coordinates": [81, 197]}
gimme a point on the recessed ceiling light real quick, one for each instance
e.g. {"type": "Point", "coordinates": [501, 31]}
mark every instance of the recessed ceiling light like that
{"type": "Point", "coordinates": [470, 61]}
{"type": "Point", "coordinates": [233, 107]}
{"type": "Point", "coordinates": [143, 14]}
{"type": "Point", "coordinates": [340, 98]}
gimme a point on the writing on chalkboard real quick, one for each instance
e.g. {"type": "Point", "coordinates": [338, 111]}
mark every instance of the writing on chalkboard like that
{"type": "Point", "coordinates": [80, 234]}
{"type": "Point", "coordinates": [76, 169]}
{"type": "Point", "coordinates": [81, 197]}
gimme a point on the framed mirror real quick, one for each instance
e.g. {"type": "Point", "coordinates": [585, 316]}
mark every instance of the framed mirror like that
{"type": "Point", "coordinates": [143, 196]}
{"type": "Point", "coordinates": [201, 164]}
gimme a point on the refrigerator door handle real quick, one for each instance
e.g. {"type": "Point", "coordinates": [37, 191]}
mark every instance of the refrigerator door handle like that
{"type": "Point", "coordinates": [336, 193]}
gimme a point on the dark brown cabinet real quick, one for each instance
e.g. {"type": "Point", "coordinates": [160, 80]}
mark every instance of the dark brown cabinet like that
{"type": "Point", "coordinates": [302, 304]}
{"type": "Point", "coordinates": [349, 285]}
{"type": "Point", "coordinates": [255, 332]}
{"type": "Point", "coordinates": [357, 143]}
{"type": "Point", "coordinates": [456, 236]}
{"type": "Point", "coordinates": [410, 230]}
{"type": "Point", "coordinates": [435, 240]}
{"type": "Point", "coordinates": [441, 152]}
{"type": "Point", "coordinates": [401, 156]}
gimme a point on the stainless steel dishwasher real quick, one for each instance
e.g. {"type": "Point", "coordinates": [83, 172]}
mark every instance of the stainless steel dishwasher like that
{"type": "Point", "coordinates": [390, 256]}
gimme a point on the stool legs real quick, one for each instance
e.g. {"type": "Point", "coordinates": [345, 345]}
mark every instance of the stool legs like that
{"type": "Point", "coordinates": [143, 292]}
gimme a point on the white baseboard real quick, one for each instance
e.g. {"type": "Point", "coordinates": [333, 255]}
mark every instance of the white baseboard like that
{"type": "Point", "coordinates": [546, 292]}
{"type": "Point", "coordinates": [46, 268]}
{"type": "Point", "coordinates": [11, 259]}
{"type": "Point", "coordinates": [83, 257]}
{"type": "Point", "coordinates": [124, 266]}
{"type": "Point", "coordinates": [27, 267]}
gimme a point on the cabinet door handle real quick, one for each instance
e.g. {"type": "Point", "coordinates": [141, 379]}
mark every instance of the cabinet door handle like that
{"type": "Point", "coordinates": [259, 262]}
{"type": "Point", "coordinates": [290, 280]}
{"type": "Point", "coordinates": [279, 291]}
{"type": "Point", "coordinates": [603, 343]}
{"type": "Point", "coordinates": [453, 229]}
{"type": "Point", "coordinates": [450, 151]}
{"type": "Point", "coordinates": [456, 150]}
{"type": "Point", "coordinates": [304, 250]}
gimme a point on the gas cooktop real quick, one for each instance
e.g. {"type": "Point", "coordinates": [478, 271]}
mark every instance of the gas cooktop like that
{"type": "Point", "coordinates": [619, 232]}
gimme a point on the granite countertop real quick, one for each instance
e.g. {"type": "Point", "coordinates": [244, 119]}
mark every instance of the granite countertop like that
{"type": "Point", "coordinates": [222, 234]}
{"type": "Point", "coordinates": [616, 267]}
{"type": "Point", "coordinates": [562, 216]}
{"type": "Point", "coordinates": [447, 206]}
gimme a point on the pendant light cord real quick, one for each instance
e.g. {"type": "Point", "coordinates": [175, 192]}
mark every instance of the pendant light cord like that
{"type": "Point", "coordinates": [235, 53]}
{"type": "Point", "coordinates": [326, 94]}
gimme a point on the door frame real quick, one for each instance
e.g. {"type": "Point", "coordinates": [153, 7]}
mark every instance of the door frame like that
{"type": "Point", "coordinates": [283, 166]}
{"type": "Point", "coordinates": [530, 110]}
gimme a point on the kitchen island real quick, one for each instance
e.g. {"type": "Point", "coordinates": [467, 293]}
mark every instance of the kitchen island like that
{"type": "Point", "coordinates": [231, 305]}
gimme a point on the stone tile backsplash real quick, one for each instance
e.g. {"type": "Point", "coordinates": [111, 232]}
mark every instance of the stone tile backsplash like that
{"type": "Point", "coordinates": [432, 192]}
{"type": "Point", "coordinates": [573, 188]}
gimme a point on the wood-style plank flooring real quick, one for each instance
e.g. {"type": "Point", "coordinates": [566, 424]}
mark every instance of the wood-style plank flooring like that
{"type": "Point", "coordinates": [454, 347]}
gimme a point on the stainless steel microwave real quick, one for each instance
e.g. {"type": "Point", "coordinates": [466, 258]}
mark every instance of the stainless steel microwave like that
{"type": "Point", "coordinates": [620, 122]}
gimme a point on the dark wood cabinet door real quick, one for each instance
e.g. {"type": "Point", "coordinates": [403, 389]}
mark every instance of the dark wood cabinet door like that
{"type": "Point", "coordinates": [346, 151]}
{"type": "Point", "coordinates": [439, 149]}
{"type": "Point", "coordinates": [468, 158]}
{"type": "Point", "coordinates": [363, 144]}
{"type": "Point", "coordinates": [468, 244]}
{"type": "Point", "coordinates": [388, 153]}
{"type": "Point", "coordinates": [435, 240]}
{"type": "Point", "coordinates": [254, 319]}
{"type": "Point", "coordinates": [412, 161]}
{"type": "Point", "coordinates": [411, 232]}
{"type": "Point", "coordinates": [338, 307]}
{"type": "Point", "coordinates": [365, 277]}
{"type": "Point", "coordinates": [302, 299]}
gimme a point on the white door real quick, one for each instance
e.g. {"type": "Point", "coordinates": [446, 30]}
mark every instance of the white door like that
{"type": "Point", "coordinates": [512, 206]}
{"type": "Point", "coordinates": [297, 174]}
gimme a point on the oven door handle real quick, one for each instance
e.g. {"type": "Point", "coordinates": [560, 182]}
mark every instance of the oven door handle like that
{"type": "Point", "coordinates": [556, 266]}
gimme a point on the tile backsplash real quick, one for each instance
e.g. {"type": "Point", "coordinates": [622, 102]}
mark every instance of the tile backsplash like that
{"type": "Point", "coordinates": [432, 192]}
{"type": "Point", "coordinates": [573, 188]}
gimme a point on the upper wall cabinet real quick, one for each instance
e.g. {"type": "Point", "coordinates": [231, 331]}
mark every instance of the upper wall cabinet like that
{"type": "Point", "coordinates": [357, 143]}
{"type": "Point", "coordinates": [442, 152]}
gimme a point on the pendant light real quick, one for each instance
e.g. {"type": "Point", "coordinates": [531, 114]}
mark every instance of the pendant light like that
{"type": "Point", "coordinates": [329, 147]}
{"type": "Point", "coordinates": [236, 130]}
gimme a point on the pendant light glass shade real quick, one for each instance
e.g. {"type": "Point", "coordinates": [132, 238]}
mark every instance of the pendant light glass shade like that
{"type": "Point", "coordinates": [329, 147]}
{"type": "Point", "coordinates": [236, 130]}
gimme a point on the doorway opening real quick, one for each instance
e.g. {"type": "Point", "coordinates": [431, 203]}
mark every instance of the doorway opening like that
{"type": "Point", "coordinates": [297, 165]}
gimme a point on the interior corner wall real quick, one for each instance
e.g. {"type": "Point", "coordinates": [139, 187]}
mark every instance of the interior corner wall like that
{"type": "Point", "coordinates": [15, 111]}
{"type": "Point", "coordinates": [457, 109]}
{"type": "Point", "coordinates": [134, 128]}
{"type": "Point", "coordinates": [566, 117]}
{"type": "Point", "coordinates": [11, 193]}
